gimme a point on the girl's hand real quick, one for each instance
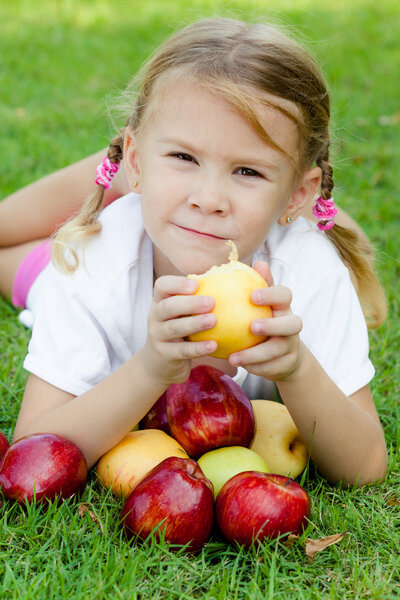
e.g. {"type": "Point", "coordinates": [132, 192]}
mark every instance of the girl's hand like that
{"type": "Point", "coordinates": [279, 357]}
{"type": "Point", "coordinates": [174, 314]}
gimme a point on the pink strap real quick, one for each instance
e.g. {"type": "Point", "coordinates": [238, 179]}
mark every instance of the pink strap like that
{"type": "Point", "coordinates": [105, 172]}
{"type": "Point", "coordinates": [325, 211]}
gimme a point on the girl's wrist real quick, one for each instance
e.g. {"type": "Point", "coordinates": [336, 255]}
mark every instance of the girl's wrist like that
{"type": "Point", "coordinates": [149, 377]}
{"type": "Point", "coordinates": [301, 369]}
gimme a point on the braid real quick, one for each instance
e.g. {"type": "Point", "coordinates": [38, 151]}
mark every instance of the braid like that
{"type": "Point", "coordinates": [355, 255]}
{"type": "Point", "coordinates": [85, 223]}
{"type": "Point", "coordinates": [327, 183]}
{"type": "Point", "coordinates": [116, 148]}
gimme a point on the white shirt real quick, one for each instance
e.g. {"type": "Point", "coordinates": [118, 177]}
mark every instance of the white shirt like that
{"type": "Point", "coordinates": [90, 323]}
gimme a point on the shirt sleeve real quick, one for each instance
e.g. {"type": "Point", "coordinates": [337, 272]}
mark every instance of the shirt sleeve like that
{"type": "Point", "coordinates": [68, 348]}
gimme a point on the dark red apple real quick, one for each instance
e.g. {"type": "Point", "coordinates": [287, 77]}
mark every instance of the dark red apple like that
{"type": "Point", "coordinates": [4, 444]}
{"type": "Point", "coordinates": [157, 418]}
{"type": "Point", "coordinates": [42, 466]}
{"type": "Point", "coordinates": [252, 506]}
{"type": "Point", "coordinates": [209, 410]}
{"type": "Point", "coordinates": [176, 498]}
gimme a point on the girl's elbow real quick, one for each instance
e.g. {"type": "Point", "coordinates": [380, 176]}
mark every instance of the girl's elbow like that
{"type": "Point", "coordinates": [372, 472]}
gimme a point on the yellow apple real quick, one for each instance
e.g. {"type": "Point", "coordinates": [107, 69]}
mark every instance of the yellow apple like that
{"type": "Point", "coordinates": [231, 285]}
{"type": "Point", "coordinates": [122, 467]}
{"type": "Point", "coordinates": [277, 439]}
{"type": "Point", "coordinates": [223, 463]}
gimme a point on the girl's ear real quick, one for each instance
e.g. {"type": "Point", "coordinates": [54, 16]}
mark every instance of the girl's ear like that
{"type": "Point", "coordinates": [131, 160]}
{"type": "Point", "coordinates": [304, 193]}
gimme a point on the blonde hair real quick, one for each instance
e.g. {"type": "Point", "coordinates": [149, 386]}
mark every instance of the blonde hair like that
{"type": "Point", "coordinates": [250, 64]}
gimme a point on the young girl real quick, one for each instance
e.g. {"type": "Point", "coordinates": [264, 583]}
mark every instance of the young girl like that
{"type": "Point", "coordinates": [227, 138]}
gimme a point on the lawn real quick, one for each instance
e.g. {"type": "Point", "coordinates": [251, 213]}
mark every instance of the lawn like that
{"type": "Point", "coordinates": [59, 63]}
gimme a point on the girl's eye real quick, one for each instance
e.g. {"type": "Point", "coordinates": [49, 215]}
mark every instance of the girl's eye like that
{"type": "Point", "coordinates": [246, 172]}
{"type": "Point", "coordinates": [183, 156]}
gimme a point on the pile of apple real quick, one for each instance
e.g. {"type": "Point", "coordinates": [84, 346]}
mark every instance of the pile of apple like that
{"type": "Point", "coordinates": [203, 455]}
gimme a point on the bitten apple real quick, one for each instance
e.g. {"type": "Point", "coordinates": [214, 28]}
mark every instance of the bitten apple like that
{"type": "Point", "coordinates": [231, 286]}
{"type": "Point", "coordinates": [157, 418]}
{"type": "Point", "coordinates": [125, 465]}
{"type": "Point", "coordinates": [254, 506]}
{"type": "Point", "coordinates": [4, 444]}
{"type": "Point", "coordinates": [42, 466]}
{"type": "Point", "coordinates": [209, 410]}
{"type": "Point", "coordinates": [223, 463]}
{"type": "Point", "coordinates": [175, 498]}
{"type": "Point", "coordinates": [277, 439]}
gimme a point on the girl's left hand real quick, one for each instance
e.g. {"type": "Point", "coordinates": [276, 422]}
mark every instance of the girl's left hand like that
{"type": "Point", "coordinates": [279, 357]}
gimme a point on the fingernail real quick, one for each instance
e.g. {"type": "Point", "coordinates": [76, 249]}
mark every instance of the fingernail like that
{"type": "Point", "coordinates": [209, 320]}
{"type": "Point", "coordinates": [191, 285]}
{"type": "Point", "coordinates": [235, 361]}
{"type": "Point", "coordinates": [206, 302]}
{"type": "Point", "coordinates": [257, 327]}
{"type": "Point", "coordinates": [258, 296]}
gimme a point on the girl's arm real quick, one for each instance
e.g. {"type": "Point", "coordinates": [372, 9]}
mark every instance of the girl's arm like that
{"type": "Point", "coordinates": [343, 433]}
{"type": "Point", "coordinates": [98, 419]}
{"type": "Point", "coordinates": [35, 211]}
{"type": "Point", "coordinates": [101, 417]}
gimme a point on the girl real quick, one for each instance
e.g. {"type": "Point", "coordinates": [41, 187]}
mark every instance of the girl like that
{"type": "Point", "coordinates": [227, 138]}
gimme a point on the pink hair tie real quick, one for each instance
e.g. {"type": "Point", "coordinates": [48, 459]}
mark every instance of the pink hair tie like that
{"type": "Point", "coordinates": [105, 172]}
{"type": "Point", "coordinates": [325, 211]}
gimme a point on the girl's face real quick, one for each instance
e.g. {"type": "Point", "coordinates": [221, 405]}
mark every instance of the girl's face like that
{"type": "Point", "coordinates": [206, 177]}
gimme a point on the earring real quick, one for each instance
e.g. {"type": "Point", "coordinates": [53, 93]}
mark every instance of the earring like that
{"type": "Point", "coordinates": [134, 184]}
{"type": "Point", "coordinates": [288, 220]}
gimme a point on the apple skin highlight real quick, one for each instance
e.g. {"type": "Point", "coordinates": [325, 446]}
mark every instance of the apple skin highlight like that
{"type": "Point", "coordinates": [231, 286]}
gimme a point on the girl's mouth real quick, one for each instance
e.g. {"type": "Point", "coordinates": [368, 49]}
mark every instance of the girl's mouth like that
{"type": "Point", "coordinates": [202, 234]}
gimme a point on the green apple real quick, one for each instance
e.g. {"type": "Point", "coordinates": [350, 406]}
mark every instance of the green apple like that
{"type": "Point", "coordinates": [221, 464]}
{"type": "Point", "coordinates": [277, 439]}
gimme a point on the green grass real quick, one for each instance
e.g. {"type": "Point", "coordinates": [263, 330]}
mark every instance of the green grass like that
{"type": "Point", "coordinates": [59, 60]}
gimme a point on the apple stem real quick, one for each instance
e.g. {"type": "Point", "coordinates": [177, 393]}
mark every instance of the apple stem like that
{"type": "Point", "coordinates": [289, 481]}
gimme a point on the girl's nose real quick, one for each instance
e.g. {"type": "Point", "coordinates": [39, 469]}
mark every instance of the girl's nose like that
{"type": "Point", "coordinates": [210, 198]}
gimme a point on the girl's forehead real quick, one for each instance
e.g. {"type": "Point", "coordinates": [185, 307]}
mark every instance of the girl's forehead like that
{"type": "Point", "coordinates": [184, 101]}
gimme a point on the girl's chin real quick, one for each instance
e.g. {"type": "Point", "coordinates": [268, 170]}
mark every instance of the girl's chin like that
{"type": "Point", "coordinates": [187, 261]}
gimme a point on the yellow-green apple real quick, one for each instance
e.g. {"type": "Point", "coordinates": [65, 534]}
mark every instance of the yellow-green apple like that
{"type": "Point", "coordinates": [42, 467]}
{"type": "Point", "coordinates": [209, 410]}
{"type": "Point", "coordinates": [175, 498]}
{"type": "Point", "coordinates": [157, 418]}
{"type": "Point", "coordinates": [223, 463]}
{"type": "Point", "coordinates": [253, 506]}
{"type": "Point", "coordinates": [4, 444]}
{"type": "Point", "coordinates": [122, 467]}
{"type": "Point", "coordinates": [277, 439]}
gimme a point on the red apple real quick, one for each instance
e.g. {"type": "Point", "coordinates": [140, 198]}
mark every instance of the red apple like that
{"type": "Point", "coordinates": [252, 506]}
{"type": "Point", "coordinates": [42, 466]}
{"type": "Point", "coordinates": [174, 497]}
{"type": "Point", "coordinates": [209, 410]}
{"type": "Point", "coordinates": [4, 444]}
{"type": "Point", "coordinates": [157, 418]}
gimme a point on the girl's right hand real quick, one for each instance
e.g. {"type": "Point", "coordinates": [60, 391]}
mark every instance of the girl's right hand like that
{"type": "Point", "coordinates": [174, 314]}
